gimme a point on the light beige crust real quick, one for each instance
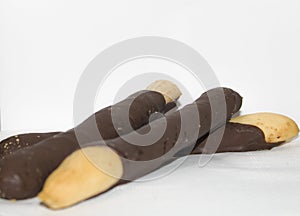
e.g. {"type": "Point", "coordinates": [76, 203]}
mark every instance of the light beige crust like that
{"type": "Point", "coordinates": [168, 89]}
{"type": "Point", "coordinates": [82, 175]}
{"type": "Point", "coordinates": [276, 127]}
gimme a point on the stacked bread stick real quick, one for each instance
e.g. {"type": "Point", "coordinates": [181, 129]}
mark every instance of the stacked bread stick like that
{"type": "Point", "coordinates": [63, 171]}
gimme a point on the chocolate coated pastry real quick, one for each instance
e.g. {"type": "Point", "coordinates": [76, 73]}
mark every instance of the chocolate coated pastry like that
{"type": "Point", "coordinates": [252, 132]}
{"type": "Point", "coordinates": [122, 161]}
{"type": "Point", "coordinates": [236, 138]}
{"type": "Point", "coordinates": [19, 141]}
{"type": "Point", "coordinates": [16, 142]}
{"type": "Point", "coordinates": [23, 172]}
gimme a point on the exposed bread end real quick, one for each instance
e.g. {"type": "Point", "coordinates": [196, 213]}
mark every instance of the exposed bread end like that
{"type": "Point", "coordinates": [277, 128]}
{"type": "Point", "coordinates": [101, 166]}
{"type": "Point", "coordinates": [169, 90]}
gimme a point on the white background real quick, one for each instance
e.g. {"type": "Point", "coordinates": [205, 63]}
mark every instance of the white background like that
{"type": "Point", "coordinates": [252, 45]}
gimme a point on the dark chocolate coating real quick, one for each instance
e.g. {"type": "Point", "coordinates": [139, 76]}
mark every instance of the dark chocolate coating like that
{"type": "Point", "coordinates": [16, 142]}
{"type": "Point", "coordinates": [163, 150]}
{"type": "Point", "coordinates": [19, 179]}
{"type": "Point", "coordinates": [23, 172]}
{"type": "Point", "coordinates": [19, 141]}
{"type": "Point", "coordinates": [236, 138]}
{"type": "Point", "coordinates": [142, 105]}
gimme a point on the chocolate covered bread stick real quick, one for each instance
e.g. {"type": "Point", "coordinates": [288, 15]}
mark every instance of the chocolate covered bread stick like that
{"type": "Point", "coordinates": [19, 141]}
{"type": "Point", "coordinates": [16, 142]}
{"type": "Point", "coordinates": [96, 169]}
{"type": "Point", "coordinates": [237, 136]}
{"type": "Point", "coordinates": [23, 172]}
{"type": "Point", "coordinates": [258, 131]}
{"type": "Point", "coordinates": [142, 107]}
{"type": "Point", "coordinates": [277, 128]}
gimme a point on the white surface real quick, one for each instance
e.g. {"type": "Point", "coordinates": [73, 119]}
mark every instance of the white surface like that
{"type": "Point", "coordinates": [251, 183]}
{"type": "Point", "coordinates": [253, 46]}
